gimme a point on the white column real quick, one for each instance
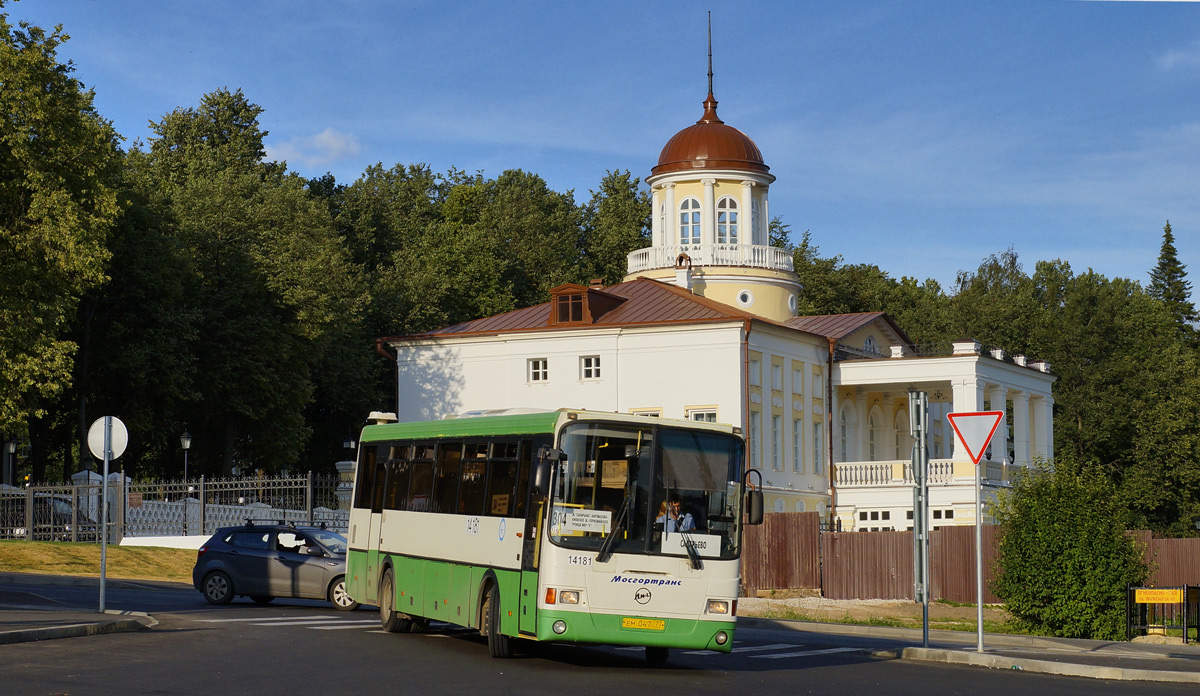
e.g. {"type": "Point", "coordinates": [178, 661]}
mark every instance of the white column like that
{"type": "Point", "coordinates": [1043, 426]}
{"type": "Point", "coordinates": [746, 214]}
{"type": "Point", "coordinates": [831, 418]}
{"type": "Point", "coordinates": [968, 396]}
{"type": "Point", "coordinates": [1020, 401]}
{"type": "Point", "coordinates": [708, 213]}
{"type": "Point", "coordinates": [762, 236]}
{"type": "Point", "coordinates": [998, 401]}
{"type": "Point", "coordinates": [672, 231]}
{"type": "Point", "coordinates": [656, 218]}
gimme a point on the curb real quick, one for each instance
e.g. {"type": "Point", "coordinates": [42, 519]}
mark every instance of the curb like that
{"type": "Point", "coordinates": [1067, 669]}
{"type": "Point", "coordinates": [76, 630]}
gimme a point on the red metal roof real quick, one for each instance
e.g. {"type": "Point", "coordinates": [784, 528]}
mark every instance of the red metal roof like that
{"type": "Point", "coordinates": [646, 301]}
{"type": "Point", "coordinates": [837, 326]}
{"type": "Point", "coordinates": [709, 144]}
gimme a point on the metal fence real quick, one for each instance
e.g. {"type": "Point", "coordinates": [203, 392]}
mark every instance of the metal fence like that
{"type": "Point", "coordinates": [196, 507]}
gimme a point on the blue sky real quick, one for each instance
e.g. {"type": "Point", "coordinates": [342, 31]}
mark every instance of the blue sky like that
{"type": "Point", "coordinates": [918, 135]}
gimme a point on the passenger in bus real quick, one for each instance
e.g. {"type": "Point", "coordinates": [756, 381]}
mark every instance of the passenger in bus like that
{"type": "Point", "coordinates": [673, 518]}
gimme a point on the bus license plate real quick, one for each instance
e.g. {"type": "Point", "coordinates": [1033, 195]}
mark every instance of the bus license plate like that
{"type": "Point", "coordinates": [644, 624]}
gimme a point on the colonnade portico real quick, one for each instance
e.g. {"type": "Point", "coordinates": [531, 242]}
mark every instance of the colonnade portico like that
{"type": "Point", "coordinates": [968, 380]}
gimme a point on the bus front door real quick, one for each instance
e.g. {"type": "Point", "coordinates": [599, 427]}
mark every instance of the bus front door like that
{"type": "Point", "coordinates": [527, 622]}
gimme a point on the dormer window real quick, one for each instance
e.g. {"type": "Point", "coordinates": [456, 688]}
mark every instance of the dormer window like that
{"type": "Point", "coordinates": [569, 308]}
{"type": "Point", "coordinates": [575, 304]}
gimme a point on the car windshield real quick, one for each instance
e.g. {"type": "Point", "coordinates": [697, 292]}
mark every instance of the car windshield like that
{"type": "Point", "coordinates": [332, 540]}
{"type": "Point", "coordinates": [653, 490]}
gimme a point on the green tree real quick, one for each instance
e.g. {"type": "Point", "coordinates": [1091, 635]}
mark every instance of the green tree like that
{"type": "Point", "coordinates": [1169, 284]}
{"type": "Point", "coordinates": [58, 167]}
{"type": "Point", "coordinates": [616, 222]}
{"type": "Point", "coordinates": [1064, 557]}
{"type": "Point", "coordinates": [267, 275]}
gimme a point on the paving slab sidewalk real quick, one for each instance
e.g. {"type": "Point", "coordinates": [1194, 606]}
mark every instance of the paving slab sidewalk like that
{"type": "Point", "coordinates": [1063, 656]}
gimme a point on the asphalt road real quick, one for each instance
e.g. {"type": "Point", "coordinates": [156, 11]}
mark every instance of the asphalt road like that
{"type": "Point", "coordinates": [301, 647]}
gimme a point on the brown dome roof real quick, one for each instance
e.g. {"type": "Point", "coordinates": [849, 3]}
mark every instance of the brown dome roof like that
{"type": "Point", "coordinates": [710, 144]}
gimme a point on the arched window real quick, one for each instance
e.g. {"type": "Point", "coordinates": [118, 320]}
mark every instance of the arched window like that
{"type": "Point", "coordinates": [662, 224]}
{"type": "Point", "coordinates": [755, 222]}
{"type": "Point", "coordinates": [689, 221]}
{"type": "Point", "coordinates": [903, 437]}
{"type": "Point", "coordinates": [874, 439]}
{"type": "Point", "coordinates": [727, 221]}
{"type": "Point", "coordinates": [846, 423]}
{"type": "Point", "coordinates": [869, 345]}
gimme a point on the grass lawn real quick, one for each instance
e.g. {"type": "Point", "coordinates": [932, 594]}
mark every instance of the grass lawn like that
{"type": "Point", "coordinates": [125, 562]}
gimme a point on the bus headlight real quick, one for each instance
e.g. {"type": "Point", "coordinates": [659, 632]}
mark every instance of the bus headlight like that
{"type": "Point", "coordinates": [560, 627]}
{"type": "Point", "coordinates": [721, 637]}
{"type": "Point", "coordinates": [568, 597]}
{"type": "Point", "coordinates": [718, 606]}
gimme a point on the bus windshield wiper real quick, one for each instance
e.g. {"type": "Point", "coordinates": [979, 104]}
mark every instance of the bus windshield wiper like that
{"type": "Point", "coordinates": [618, 525]}
{"type": "Point", "coordinates": [693, 555]}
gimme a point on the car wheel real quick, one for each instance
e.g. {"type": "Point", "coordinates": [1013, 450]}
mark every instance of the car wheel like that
{"type": "Point", "coordinates": [339, 598]}
{"type": "Point", "coordinates": [391, 620]}
{"type": "Point", "coordinates": [262, 599]}
{"type": "Point", "coordinates": [217, 588]}
{"type": "Point", "coordinates": [499, 645]}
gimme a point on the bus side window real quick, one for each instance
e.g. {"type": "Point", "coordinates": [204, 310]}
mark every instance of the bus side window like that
{"type": "Point", "coordinates": [527, 449]}
{"type": "Point", "coordinates": [445, 482]}
{"type": "Point", "coordinates": [378, 480]}
{"type": "Point", "coordinates": [421, 478]}
{"type": "Point", "coordinates": [363, 492]}
{"type": "Point", "coordinates": [397, 477]}
{"type": "Point", "coordinates": [502, 478]}
{"type": "Point", "coordinates": [473, 478]}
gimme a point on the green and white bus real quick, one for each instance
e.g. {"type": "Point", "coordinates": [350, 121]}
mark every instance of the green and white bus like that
{"type": "Point", "coordinates": [550, 526]}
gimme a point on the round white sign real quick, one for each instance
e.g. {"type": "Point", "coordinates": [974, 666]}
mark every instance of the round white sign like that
{"type": "Point", "coordinates": [117, 442]}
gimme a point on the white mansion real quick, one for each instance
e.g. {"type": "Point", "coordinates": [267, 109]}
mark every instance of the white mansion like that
{"type": "Point", "coordinates": [704, 327]}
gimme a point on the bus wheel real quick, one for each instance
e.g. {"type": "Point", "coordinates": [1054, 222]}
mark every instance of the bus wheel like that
{"type": "Point", "coordinates": [656, 655]}
{"type": "Point", "coordinates": [391, 620]}
{"type": "Point", "coordinates": [499, 645]}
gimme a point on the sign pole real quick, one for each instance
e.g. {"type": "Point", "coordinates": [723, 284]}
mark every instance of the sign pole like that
{"type": "Point", "coordinates": [974, 431]}
{"type": "Point", "coordinates": [106, 439]}
{"type": "Point", "coordinates": [979, 554]}
{"type": "Point", "coordinates": [104, 509]}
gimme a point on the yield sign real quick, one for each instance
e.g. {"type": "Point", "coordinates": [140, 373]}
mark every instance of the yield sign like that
{"type": "Point", "coordinates": [975, 430]}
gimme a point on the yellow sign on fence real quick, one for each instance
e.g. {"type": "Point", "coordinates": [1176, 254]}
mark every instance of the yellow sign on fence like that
{"type": "Point", "coordinates": [1153, 596]}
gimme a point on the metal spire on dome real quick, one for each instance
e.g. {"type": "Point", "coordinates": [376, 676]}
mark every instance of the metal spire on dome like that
{"type": "Point", "coordinates": [710, 104]}
{"type": "Point", "coordinates": [710, 52]}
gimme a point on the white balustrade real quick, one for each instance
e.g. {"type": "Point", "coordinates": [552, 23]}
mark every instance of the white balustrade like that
{"type": "Point", "coordinates": [748, 255]}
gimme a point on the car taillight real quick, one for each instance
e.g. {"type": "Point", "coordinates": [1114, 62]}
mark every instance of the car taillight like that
{"type": "Point", "coordinates": [200, 552]}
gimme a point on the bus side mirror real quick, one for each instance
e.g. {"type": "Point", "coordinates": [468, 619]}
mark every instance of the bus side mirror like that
{"type": "Point", "coordinates": [546, 456]}
{"type": "Point", "coordinates": [754, 507]}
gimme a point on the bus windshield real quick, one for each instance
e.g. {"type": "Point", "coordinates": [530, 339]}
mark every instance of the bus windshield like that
{"type": "Point", "coordinates": [654, 490]}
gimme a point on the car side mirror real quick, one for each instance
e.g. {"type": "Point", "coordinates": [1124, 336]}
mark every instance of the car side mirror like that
{"type": "Point", "coordinates": [315, 551]}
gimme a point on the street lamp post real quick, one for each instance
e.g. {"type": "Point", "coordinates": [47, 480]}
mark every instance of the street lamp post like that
{"type": "Point", "coordinates": [185, 442]}
{"type": "Point", "coordinates": [9, 473]}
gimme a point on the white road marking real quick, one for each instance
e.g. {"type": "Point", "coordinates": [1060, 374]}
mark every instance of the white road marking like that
{"type": "Point", "coordinates": [342, 625]}
{"type": "Point", "coordinates": [748, 648]}
{"type": "Point", "coordinates": [806, 653]}
{"type": "Point", "coordinates": [265, 618]}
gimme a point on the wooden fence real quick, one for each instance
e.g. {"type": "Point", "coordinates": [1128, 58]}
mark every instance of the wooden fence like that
{"type": "Point", "coordinates": [789, 552]}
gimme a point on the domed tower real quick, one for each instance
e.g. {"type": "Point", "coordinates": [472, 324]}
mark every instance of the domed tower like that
{"type": "Point", "coordinates": [710, 219]}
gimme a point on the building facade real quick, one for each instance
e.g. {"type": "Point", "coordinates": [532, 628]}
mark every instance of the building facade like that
{"type": "Point", "coordinates": [704, 327]}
